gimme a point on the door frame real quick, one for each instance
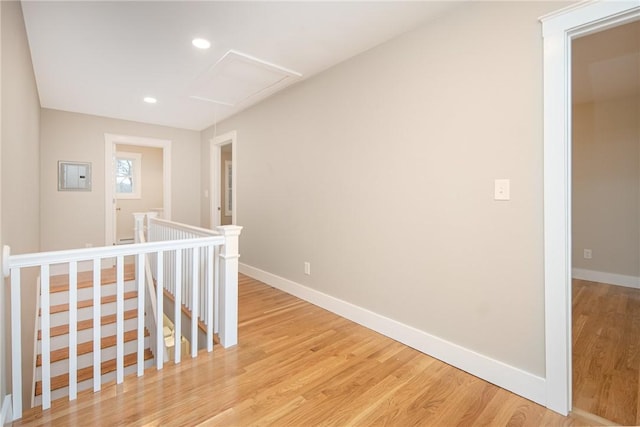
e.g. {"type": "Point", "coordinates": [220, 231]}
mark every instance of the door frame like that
{"type": "Point", "coordinates": [559, 29]}
{"type": "Point", "coordinates": [215, 150]}
{"type": "Point", "coordinates": [111, 140]}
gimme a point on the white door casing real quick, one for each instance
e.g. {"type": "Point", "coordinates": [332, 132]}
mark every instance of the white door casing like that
{"type": "Point", "coordinates": [215, 148]}
{"type": "Point", "coordinates": [110, 142]}
{"type": "Point", "coordinates": [559, 28]}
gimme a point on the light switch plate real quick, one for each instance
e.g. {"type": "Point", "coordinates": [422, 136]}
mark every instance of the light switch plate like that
{"type": "Point", "coordinates": [502, 190]}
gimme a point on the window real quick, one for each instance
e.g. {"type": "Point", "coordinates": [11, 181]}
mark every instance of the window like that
{"type": "Point", "coordinates": [128, 175]}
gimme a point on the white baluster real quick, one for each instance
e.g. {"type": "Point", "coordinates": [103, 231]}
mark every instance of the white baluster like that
{"type": "Point", "coordinates": [202, 274]}
{"type": "Point", "coordinates": [177, 309]}
{"type": "Point", "coordinates": [45, 338]}
{"type": "Point", "coordinates": [159, 310]}
{"type": "Point", "coordinates": [216, 290]}
{"type": "Point", "coordinates": [97, 335]}
{"type": "Point", "coordinates": [229, 286]}
{"type": "Point", "coordinates": [16, 343]}
{"type": "Point", "coordinates": [119, 319]}
{"type": "Point", "coordinates": [151, 216]}
{"type": "Point", "coordinates": [141, 294]}
{"type": "Point", "coordinates": [185, 273]}
{"type": "Point", "coordinates": [138, 221]}
{"type": "Point", "coordinates": [195, 257]}
{"type": "Point", "coordinates": [209, 294]}
{"type": "Point", "coordinates": [171, 276]}
{"type": "Point", "coordinates": [73, 330]}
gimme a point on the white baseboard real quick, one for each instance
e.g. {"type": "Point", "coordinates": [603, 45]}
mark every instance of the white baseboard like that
{"type": "Point", "coordinates": [609, 278]}
{"type": "Point", "coordinates": [506, 376]}
{"type": "Point", "coordinates": [7, 412]}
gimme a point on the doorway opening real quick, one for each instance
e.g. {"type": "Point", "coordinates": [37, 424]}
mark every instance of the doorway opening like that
{"type": "Point", "coordinates": [559, 29]}
{"type": "Point", "coordinates": [137, 179]}
{"type": "Point", "coordinates": [223, 167]}
{"type": "Point", "coordinates": [605, 219]}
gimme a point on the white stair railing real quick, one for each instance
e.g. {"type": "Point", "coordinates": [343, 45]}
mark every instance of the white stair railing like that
{"type": "Point", "coordinates": [198, 264]}
{"type": "Point", "coordinates": [225, 244]}
{"type": "Point", "coordinates": [153, 301]}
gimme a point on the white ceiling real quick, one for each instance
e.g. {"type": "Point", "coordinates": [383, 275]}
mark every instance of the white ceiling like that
{"type": "Point", "coordinates": [606, 65]}
{"type": "Point", "coordinates": [103, 58]}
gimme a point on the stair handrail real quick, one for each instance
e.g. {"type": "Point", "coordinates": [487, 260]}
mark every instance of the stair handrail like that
{"type": "Point", "coordinates": [12, 265]}
{"type": "Point", "coordinates": [186, 297]}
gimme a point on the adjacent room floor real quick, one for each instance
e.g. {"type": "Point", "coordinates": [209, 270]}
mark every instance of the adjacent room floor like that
{"type": "Point", "coordinates": [606, 351]}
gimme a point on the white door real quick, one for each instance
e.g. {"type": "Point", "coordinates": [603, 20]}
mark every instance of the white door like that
{"type": "Point", "coordinates": [223, 167]}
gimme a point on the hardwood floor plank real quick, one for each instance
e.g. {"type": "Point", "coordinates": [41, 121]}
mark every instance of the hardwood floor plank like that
{"type": "Point", "coordinates": [299, 365]}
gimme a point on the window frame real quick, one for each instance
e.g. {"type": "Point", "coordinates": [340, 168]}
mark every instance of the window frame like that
{"type": "Point", "coordinates": [136, 175]}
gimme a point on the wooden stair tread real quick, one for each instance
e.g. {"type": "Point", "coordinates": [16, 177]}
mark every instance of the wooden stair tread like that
{"type": "Point", "coordinates": [60, 283]}
{"type": "Point", "coordinates": [87, 347]}
{"type": "Point", "coordinates": [61, 308]}
{"type": "Point", "coordinates": [84, 374]}
{"type": "Point", "coordinates": [88, 324]}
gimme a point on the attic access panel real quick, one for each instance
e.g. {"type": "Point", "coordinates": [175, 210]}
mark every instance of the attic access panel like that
{"type": "Point", "coordinates": [238, 77]}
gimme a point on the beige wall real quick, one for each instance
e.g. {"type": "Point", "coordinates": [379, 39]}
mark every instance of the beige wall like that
{"type": "Point", "coordinates": [423, 123]}
{"type": "Point", "coordinates": [72, 219]}
{"type": "Point", "coordinates": [151, 189]}
{"type": "Point", "coordinates": [20, 166]}
{"type": "Point", "coordinates": [606, 185]}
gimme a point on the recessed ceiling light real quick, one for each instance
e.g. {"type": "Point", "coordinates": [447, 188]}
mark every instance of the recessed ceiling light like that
{"type": "Point", "coordinates": [150, 100]}
{"type": "Point", "coordinates": [201, 43]}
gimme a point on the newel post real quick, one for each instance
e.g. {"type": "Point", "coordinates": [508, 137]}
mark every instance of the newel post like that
{"type": "Point", "coordinates": [16, 336]}
{"type": "Point", "coordinates": [228, 330]}
{"type": "Point", "coordinates": [138, 226]}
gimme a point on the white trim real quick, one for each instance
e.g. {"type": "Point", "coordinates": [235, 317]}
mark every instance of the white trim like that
{"type": "Point", "coordinates": [501, 374]}
{"type": "Point", "coordinates": [558, 31]}
{"type": "Point", "coordinates": [110, 141]}
{"type": "Point", "coordinates": [215, 147]}
{"type": "Point", "coordinates": [7, 414]}
{"type": "Point", "coordinates": [608, 278]}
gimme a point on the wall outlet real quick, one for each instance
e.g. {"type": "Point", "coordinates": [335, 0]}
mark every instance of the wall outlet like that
{"type": "Point", "coordinates": [587, 254]}
{"type": "Point", "coordinates": [307, 268]}
{"type": "Point", "coordinates": [88, 245]}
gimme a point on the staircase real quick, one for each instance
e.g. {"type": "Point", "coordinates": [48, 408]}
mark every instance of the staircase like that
{"type": "Point", "coordinates": [199, 267]}
{"type": "Point", "coordinates": [59, 331]}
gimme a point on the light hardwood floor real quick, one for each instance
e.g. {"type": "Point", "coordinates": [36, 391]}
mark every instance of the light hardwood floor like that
{"type": "Point", "coordinates": [606, 351]}
{"type": "Point", "coordinates": [299, 365]}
